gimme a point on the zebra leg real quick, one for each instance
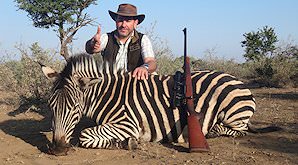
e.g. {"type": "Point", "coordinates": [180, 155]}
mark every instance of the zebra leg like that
{"type": "Point", "coordinates": [108, 136]}
{"type": "Point", "coordinates": [221, 130]}
{"type": "Point", "coordinates": [119, 132]}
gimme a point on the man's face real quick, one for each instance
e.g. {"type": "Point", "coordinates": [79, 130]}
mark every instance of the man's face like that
{"type": "Point", "coordinates": [125, 26]}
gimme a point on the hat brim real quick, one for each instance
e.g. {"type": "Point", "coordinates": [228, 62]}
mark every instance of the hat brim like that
{"type": "Point", "coordinates": [114, 15]}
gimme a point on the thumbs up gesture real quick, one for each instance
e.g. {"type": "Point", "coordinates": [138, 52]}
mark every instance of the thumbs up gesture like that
{"type": "Point", "coordinates": [96, 41]}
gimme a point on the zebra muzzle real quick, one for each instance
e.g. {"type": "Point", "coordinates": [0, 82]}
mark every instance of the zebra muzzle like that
{"type": "Point", "coordinates": [59, 148]}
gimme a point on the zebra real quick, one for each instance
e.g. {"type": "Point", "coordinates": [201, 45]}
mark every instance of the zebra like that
{"type": "Point", "coordinates": [127, 111]}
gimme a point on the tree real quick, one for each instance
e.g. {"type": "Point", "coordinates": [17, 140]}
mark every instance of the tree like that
{"type": "Point", "coordinates": [66, 17]}
{"type": "Point", "coordinates": [259, 49]}
{"type": "Point", "coordinates": [259, 44]}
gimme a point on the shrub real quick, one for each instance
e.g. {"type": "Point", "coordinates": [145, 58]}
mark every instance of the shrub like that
{"type": "Point", "coordinates": [278, 71]}
{"type": "Point", "coordinates": [260, 72]}
{"type": "Point", "coordinates": [7, 81]}
{"type": "Point", "coordinates": [168, 65]}
{"type": "Point", "coordinates": [24, 76]}
{"type": "Point", "coordinates": [212, 62]}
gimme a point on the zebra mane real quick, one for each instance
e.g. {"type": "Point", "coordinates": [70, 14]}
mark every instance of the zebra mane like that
{"type": "Point", "coordinates": [83, 65]}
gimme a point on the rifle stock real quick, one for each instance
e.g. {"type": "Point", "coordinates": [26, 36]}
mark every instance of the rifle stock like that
{"type": "Point", "coordinates": [196, 138]}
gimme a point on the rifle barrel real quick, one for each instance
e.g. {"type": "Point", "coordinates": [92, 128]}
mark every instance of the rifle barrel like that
{"type": "Point", "coordinates": [185, 48]}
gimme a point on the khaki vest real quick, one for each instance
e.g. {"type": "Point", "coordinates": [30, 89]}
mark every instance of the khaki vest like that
{"type": "Point", "coordinates": [134, 56]}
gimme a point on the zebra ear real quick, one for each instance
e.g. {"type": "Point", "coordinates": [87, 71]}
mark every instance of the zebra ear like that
{"type": "Point", "coordinates": [50, 73]}
{"type": "Point", "coordinates": [86, 82]}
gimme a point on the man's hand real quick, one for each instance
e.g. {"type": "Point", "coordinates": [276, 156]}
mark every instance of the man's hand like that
{"type": "Point", "coordinates": [96, 41]}
{"type": "Point", "coordinates": [141, 73]}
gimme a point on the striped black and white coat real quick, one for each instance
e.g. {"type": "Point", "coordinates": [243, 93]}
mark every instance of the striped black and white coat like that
{"type": "Point", "coordinates": [125, 108]}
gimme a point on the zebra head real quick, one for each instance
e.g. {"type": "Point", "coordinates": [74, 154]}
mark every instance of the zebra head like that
{"type": "Point", "coordinates": [67, 100]}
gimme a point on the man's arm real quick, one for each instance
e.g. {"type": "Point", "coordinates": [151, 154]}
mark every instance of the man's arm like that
{"type": "Point", "coordinates": [151, 61]}
{"type": "Point", "coordinates": [149, 65]}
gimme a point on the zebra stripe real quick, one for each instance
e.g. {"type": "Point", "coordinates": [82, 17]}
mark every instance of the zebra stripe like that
{"type": "Point", "coordinates": [124, 107]}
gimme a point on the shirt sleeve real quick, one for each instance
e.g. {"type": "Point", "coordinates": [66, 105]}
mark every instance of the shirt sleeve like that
{"type": "Point", "coordinates": [103, 41]}
{"type": "Point", "coordinates": [147, 50]}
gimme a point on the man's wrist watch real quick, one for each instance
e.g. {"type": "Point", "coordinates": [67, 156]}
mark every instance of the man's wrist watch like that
{"type": "Point", "coordinates": [146, 66]}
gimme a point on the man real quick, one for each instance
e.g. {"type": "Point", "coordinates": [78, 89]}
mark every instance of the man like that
{"type": "Point", "coordinates": [125, 48]}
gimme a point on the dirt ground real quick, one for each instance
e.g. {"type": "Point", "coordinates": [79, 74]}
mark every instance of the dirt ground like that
{"type": "Point", "coordinates": [26, 131]}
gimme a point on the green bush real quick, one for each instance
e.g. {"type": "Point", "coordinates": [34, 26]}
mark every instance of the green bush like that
{"type": "Point", "coordinates": [260, 72]}
{"type": "Point", "coordinates": [278, 71]}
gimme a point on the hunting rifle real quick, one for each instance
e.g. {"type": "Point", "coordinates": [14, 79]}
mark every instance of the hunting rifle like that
{"type": "Point", "coordinates": [196, 138]}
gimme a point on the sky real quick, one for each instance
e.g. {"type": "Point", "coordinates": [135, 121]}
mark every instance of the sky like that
{"type": "Point", "coordinates": [211, 25]}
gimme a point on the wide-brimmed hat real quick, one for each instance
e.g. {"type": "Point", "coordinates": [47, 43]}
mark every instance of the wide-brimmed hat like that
{"type": "Point", "coordinates": [127, 10]}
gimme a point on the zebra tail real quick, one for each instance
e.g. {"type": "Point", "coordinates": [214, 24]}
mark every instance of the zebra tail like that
{"type": "Point", "coordinates": [267, 129]}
